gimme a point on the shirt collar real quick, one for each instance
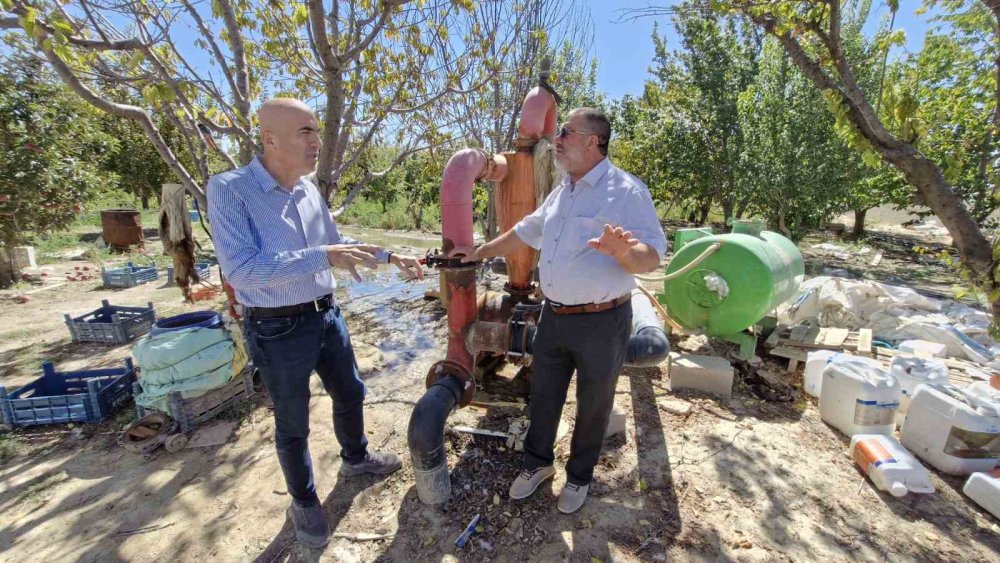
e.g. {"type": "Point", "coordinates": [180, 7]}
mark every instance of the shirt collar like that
{"type": "Point", "coordinates": [596, 173]}
{"type": "Point", "coordinates": [264, 178]}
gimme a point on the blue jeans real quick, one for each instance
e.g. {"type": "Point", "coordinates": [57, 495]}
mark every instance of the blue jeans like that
{"type": "Point", "coordinates": [286, 350]}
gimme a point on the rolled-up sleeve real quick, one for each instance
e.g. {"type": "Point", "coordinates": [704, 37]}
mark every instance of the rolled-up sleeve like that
{"type": "Point", "coordinates": [240, 256]}
{"type": "Point", "coordinates": [639, 216]}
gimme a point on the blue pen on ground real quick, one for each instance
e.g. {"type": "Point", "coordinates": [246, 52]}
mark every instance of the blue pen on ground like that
{"type": "Point", "coordinates": [469, 530]}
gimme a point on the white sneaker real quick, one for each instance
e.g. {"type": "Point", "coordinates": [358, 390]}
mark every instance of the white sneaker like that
{"type": "Point", "coordinates": [572, 497]}
{"type": "Point", "coordinates": [527, 482]}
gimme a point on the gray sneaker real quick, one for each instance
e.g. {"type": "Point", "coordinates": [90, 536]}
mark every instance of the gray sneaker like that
{"type": "Point", "coordinates": [376, 463]}
{"type": "Point", "coordinates": [529, 479]}
{"type": "Point", "coordinates": [311, 527]}
{"type": "Point", "coordinates": [572, 497]}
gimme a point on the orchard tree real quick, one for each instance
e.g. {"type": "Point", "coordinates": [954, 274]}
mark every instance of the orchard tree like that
{"type": "Point", "coordinates": [811, 33]}
{"type": "Point", "coordinates": [51, 145]}
{"type": "Point", "coordinates": [377, 70]}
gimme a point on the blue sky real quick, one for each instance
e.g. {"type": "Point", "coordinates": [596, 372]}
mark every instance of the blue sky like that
{"type": "Point", "coordinates": [625, 50]}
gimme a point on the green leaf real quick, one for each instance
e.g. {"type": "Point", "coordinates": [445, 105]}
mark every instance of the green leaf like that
{"type": "Point", "coordinates": [301, 15]}
{"type": "Point", "coordinates": [63, 27]}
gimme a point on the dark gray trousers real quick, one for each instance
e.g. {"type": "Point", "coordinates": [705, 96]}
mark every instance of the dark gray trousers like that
{"type": "Point", "coordinates": [594, 345]}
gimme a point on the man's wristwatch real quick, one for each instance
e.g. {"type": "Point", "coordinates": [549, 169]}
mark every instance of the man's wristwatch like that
{"type": "Point", "coordinates": [388, 257]}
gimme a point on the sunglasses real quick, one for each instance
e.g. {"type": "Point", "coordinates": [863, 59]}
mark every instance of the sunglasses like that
{"type": "Point", "coordinates": [566, 131]}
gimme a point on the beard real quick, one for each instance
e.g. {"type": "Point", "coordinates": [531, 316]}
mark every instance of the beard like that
{"type": "Point", "coordinates": [559, 166]}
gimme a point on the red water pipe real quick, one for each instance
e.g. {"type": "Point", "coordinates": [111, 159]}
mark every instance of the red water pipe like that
{"type": "Point", "coordinates": [538, 114]}
{"type": "Point", "coordinates": [538, 118]}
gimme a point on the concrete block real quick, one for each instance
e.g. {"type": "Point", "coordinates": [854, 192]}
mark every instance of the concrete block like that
{"type": "Point", "coordinates": [710, 374]}
{"type": "Point", "coordinates": [23, 257]}
{"type": "Point", "coordinates": [617, 422]}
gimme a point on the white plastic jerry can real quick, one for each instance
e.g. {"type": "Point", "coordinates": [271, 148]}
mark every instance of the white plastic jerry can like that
{"type": "Point", "coordinates": [816, 362]}
{"type": "Point", "coordinates": [859, 398]}
{"type": "Point", "coordinates": [984, 489]}
{"type": "Point", "coordinates": [955, 430]}
{"type": "Point", "coordinates": [911, 371]}
{"type": "Point", "coordinates": [890, 467]}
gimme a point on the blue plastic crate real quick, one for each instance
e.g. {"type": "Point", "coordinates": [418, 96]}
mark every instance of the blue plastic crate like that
{"type": "Point", "coordinates": [111, 324]}
{"type": "Point", "coordinates": [204, 270]}
{"type": "Point", "coordinates": [71, 396]}
{"type": "Point", "coordinates": [129, 276]}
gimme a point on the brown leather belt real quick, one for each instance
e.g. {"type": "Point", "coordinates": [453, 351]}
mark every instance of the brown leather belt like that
{"type": "Point", "coordinates": [560, 309]}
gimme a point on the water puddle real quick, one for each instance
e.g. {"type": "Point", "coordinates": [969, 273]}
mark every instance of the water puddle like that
{"type": "Point", "coordinates": [393, 314]}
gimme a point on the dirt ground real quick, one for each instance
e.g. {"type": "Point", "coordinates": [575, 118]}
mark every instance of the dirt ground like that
{"type": "Point", "coordinates": [725, 479]}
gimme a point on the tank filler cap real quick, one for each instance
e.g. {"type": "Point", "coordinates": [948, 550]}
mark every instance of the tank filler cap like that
{"type": "Point", "coordinates": [706, 288]}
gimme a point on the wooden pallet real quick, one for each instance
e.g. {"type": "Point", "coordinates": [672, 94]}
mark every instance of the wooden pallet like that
{"type": "Point", "coordinates": [796, 341]}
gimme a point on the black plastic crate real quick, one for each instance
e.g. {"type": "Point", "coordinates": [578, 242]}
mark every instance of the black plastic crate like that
{"type": "Point", "coordinates": [70, 396]}
{"type": "Point", "coordinates": [189, 413]}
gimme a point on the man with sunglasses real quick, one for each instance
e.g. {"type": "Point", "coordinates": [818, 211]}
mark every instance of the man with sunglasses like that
{"type": "Point", "coordinates": [596, 229]}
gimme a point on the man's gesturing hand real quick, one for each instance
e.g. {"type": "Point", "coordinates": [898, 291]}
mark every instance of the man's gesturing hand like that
{"type": "Point", "coordinates": [350, 256]}
{"type": "Point", "coordinates": [614, 241]}
{"type": "Point", "coordinates": [468, 253]}
{"type": "Point", "coordinates": [408, 265]}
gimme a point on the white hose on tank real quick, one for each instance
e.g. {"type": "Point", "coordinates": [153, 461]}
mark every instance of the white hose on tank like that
{"type": "Point", "coordinates": [684, 269]}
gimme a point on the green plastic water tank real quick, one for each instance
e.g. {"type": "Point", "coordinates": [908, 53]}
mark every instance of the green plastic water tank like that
{"type": "Point", "coordinates": [751, 273]}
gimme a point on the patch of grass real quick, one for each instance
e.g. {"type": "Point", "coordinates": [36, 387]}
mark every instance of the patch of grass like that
{"type": "Point", "coordinates": [10, 447]}
{"type": "Point", "coordinates": [123, 417]}
{"type": "Point", "coordinates": [369, 213]}
{"type": "Point", "coordinates": [37, 491]}
{"type": "Point", "coordinates": [48, 247]}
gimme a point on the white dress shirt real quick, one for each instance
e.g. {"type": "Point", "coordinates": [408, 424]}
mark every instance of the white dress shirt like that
{"type": "Point", "coordinates": [571, 272]}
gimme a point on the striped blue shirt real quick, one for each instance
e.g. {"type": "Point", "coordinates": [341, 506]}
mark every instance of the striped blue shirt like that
{"type": "Point", "coordinates": [270, 242]}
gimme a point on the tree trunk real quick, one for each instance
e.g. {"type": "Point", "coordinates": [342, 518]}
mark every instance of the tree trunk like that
{"type": "Point", "coordinates": [782, 227]}
{"type": "Point", "coordinates": [741, 207]}
{"type": "Point", "coordinates": [859, 222]}
{"type": "Point", "coordinates": [706, 208]}
{"type": "Point", "coordinates": [145, 200]}
{"type": "Point", "coordinates": [727, 209]}
{"type": "Point", "coordinates": [490, 232]}
{"type": "Point", "coordinates": [8, 274]}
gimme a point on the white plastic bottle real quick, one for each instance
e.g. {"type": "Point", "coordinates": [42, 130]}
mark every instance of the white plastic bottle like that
{"type": "Point", "coordinates": [911, 371]}
{"type": "Point", "coordinates": [984, 489]}
{"type": "Point", "coordinates": [955, 430]}
{"type": "Point", "coordinates": [817, 360]}
{"type": "Point", "coordinates": [890, 467]}
{"type": "Point", "coordinates": [859, 398]}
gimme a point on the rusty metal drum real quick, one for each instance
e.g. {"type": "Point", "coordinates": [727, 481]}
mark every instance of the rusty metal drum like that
{"type": "Point", "coordinates": [122, 228]}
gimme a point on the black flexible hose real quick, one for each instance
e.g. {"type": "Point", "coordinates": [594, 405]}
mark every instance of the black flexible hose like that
{"type": "Point", "coordinates": [647, 347]}
{"type": "Point", "coordinates": [425, 437]}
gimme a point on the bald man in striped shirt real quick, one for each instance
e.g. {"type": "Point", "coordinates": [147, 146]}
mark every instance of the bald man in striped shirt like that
{"type": "Point", "coordinates": [276, 242]}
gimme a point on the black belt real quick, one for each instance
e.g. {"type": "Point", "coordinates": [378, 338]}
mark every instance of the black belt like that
{"type": "Point", "coordinates": [319, 305]}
